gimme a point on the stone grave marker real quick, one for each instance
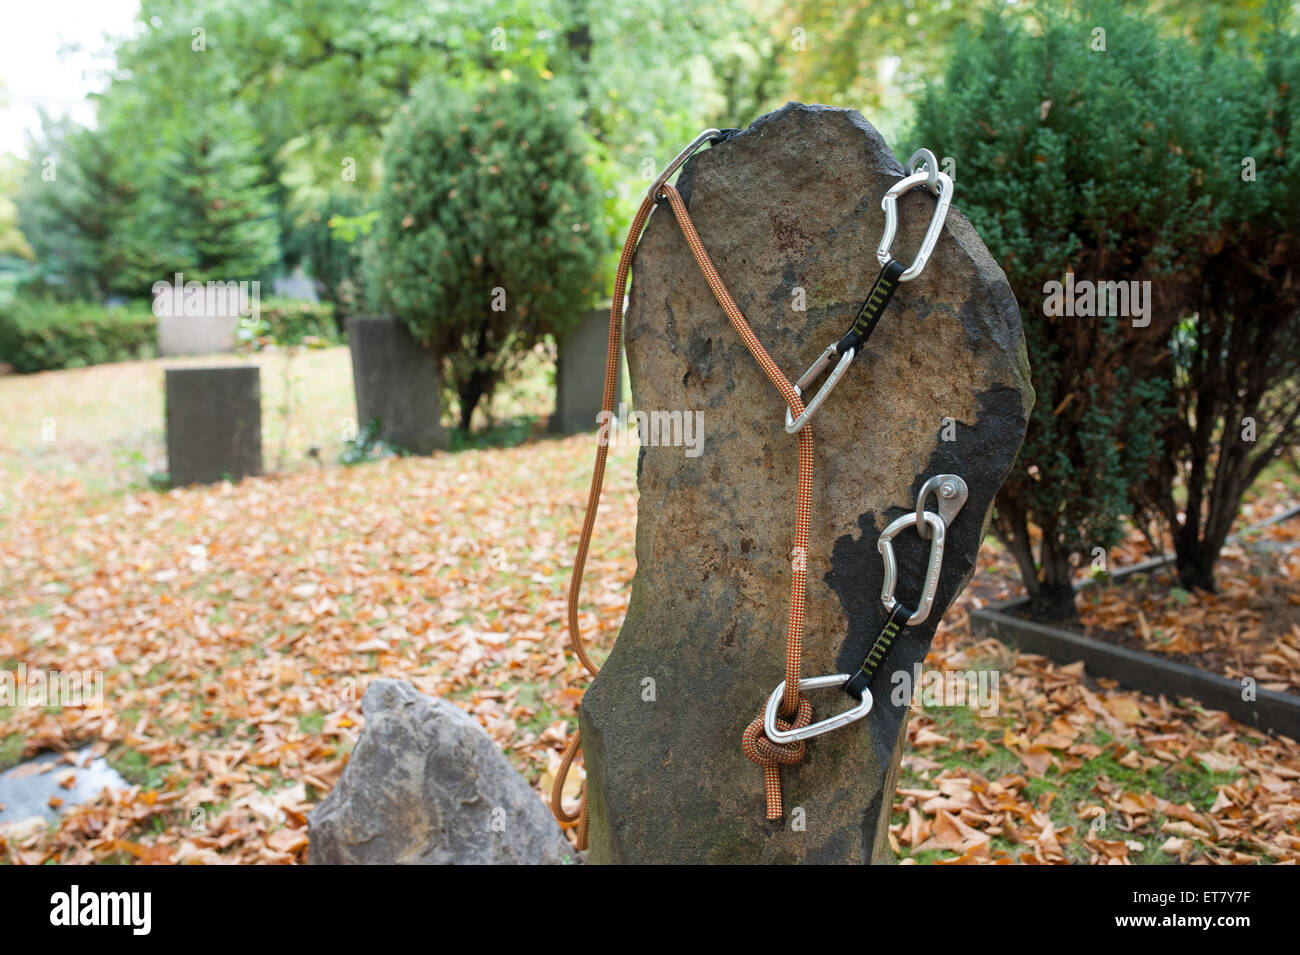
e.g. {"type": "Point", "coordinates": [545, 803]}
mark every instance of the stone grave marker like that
{"type": "Point", "coordinates": [580, 374]}
{"type": "Point", "coordinates": [790, 209]}
{"type": "Point", "coordinates": [214, 423]}
{"type": "Point", "coordinates": [396, 382]}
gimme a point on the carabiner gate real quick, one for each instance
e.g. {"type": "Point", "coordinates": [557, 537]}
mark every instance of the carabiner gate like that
{"type": "Point", "coordinates": [682, 156]}
{"type": "Point", "coordinates": [886, 546]}
{"type": "Point", "coordinates": [814, 729]}
{"type": "Point", "coordinates": [952, 493]}
{"type": "Point", "coordinates": [890, 205]}
{"type": "Point", "coordinates": [793, 424]}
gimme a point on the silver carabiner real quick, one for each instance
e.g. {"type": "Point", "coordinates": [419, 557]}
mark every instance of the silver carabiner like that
{"type": "Point", "coordinates": [886, 547]}
{"type": "Point", "coordinates": [682, 156]}
{"type": "Point", "coordinates": [793, 424]}
{"type": "Point", "coordinates": [813, 729]}
{"type": "Point", "coordinates": [890, 205]}
{"type": "Point", "coordinates": [952, 492]}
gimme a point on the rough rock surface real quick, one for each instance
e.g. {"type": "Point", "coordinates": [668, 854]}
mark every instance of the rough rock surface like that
{"type": "Point", "coordinates": [793, 201]}
{"type": "Point", "coordinates": [426, 785]}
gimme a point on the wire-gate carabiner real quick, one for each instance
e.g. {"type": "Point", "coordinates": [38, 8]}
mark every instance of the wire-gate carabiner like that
{"type": "Point", "coordinates": [793, 424]}
{"type": "Point", "coordinates": [814, 729]}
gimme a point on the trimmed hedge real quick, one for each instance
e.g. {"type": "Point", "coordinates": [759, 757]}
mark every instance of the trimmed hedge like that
{"type": "Point", "coordinates": [290, 322]}
{"type": "Point", "coordinates": [40, 335]}
{"type": "Point", "coordinates": [44, 335]}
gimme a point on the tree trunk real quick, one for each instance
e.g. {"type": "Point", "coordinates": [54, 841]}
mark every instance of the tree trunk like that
{"type": "Point", "coordinates": [470, 395]}
{"type": "Point", "coordinates": [1196, 569]}
{"type": "Point", "coordinates": [1054, 599]}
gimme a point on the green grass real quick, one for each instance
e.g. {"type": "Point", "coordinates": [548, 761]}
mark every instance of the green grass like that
{"type": "Point", "coordinates": [312, 723]}
{"type": "Point", "coordinates": [11, 746]}
{"type": "Point", "coordinates": [504, 434]}
{"type": "Point", "coordinates": [134, 766]}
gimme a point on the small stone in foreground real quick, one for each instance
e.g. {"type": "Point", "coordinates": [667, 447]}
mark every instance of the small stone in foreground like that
{"type": "Point", "coordinates": [426, 785]}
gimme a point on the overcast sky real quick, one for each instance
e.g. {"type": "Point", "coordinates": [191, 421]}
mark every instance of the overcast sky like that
{"type": "Point", "coordinates": [35, 72]}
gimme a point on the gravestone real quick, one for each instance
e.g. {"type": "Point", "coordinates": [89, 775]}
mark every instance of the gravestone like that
{"type": "Point", "coordinates": [199, 321]}
{"type": "Point", "coordinates": [580, 374]}
{"type": "Point", "coordinates": [299, 287]}
{"type": "Point", "coordinates": [214, 423]}
{"type": "Point", "coordinates": [396, 381]}
{"type": "Point", "coordinates": [789, 210]}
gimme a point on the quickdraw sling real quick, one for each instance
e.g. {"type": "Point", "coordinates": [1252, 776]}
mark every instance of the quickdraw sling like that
{"type": "Point", "coordinates": [777, 735]}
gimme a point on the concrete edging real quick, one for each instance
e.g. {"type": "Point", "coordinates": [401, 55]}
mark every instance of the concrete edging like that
{"type": "Point", "coordinates": [1270, 711]}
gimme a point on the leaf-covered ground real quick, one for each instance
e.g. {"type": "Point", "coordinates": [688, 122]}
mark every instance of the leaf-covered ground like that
{"type": "Point", "coordinates": [1249, 628]}
{"type": "Point", "coordinates": [238, 626]}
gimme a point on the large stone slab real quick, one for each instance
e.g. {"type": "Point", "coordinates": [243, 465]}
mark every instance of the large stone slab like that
{"type": "Point", "coordinates": [214, 423]}
{"type": "Point", "coordinates": [199, 320]}
{"type": "Point", "coordinates": [793, 202]}
{"type": "Point", "coordinates": [426, 785]}
{"type": "Point", "coordinates": [580, 374]}
{"type": "Point", "coordinates": [396, 382]}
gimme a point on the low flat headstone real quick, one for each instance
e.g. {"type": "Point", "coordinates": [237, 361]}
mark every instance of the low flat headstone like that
{"type": "Point", "coordinates": [396, 382]}
{"type": "Point", "coordinates": [26, 789]}
{"type": "Point", "coordinates": [214, 424]}
{"type": "Point", "coordinates": [426, 785]}
{"type": "Point", "coordinates": [789, 211]}
{"type": "Point", "coordinates": [580, 374]}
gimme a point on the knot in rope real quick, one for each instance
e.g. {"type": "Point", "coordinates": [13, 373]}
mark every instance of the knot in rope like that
{"type": "Point", "coordinates": [772, 755]}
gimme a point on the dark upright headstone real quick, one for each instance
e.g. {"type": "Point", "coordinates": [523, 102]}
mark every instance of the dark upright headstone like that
{"type": "Point", "coordinates": [214, 423]}
{"type": "Point", "coordinates": [396, 382]}
{"type": "Point", "coordinates": [580, 374]}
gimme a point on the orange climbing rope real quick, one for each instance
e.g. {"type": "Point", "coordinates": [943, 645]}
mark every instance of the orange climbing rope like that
{"type": "Point", "coordinates": [795, 711]}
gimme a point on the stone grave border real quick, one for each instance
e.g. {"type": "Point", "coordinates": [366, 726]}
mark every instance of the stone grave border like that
{"type": "Point", "coordinates": [1270, 711]}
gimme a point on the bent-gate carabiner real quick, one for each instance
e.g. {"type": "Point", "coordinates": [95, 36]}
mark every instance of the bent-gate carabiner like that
{"type": "Point", "coordinates": [813, 729]}
{"type": "Point", "coordinates": [678, 162]}
{"type": "Point", "coordinates": [793, 424]}
{"type": "Point", "coordinates": [886, 546]}
{"type": "Point", "coordinates": [890, 205]}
